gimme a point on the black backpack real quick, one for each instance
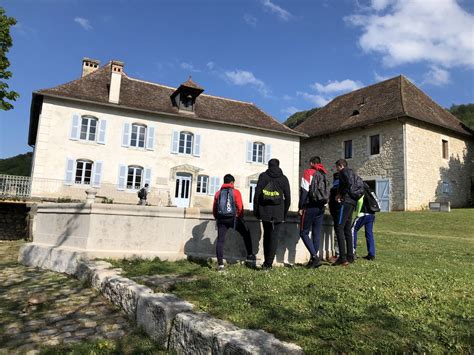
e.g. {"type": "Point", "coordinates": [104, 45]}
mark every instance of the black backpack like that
{"type": "Point", "coordinates": [319, 188]}
{"type": "Point", "coordinates": [357, 187]}
{"type": "Point", "coordinates": [226, 204]}
{"type": "Point", "coordinates": [371, 201]}
{"type": "Point", "coordinates": [142, 193]}
{"type": "Point", "coordinates": [271, 194]}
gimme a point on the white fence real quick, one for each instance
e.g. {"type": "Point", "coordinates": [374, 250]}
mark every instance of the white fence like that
{"type": "Point", "coordinates": [15, 186]}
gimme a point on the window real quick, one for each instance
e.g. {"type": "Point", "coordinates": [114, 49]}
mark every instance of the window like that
{"type": "Point", "coordinates": [375, 144]}
{"type": "Point", "coordinates": [185, 143]}
{"type": "Point", "coordinates": [186, 102]}
{"type": "Point", "coordinates": [253, 186]}
{"type": "Point", "coordinates": [83, 172]}
{"type": "Point", "coordinates": [134, 177]}
{"type": "Point", "coordinates": [202, 184]}
{"type": "Point", "coordinates": [258, 152]}
{"type": "Point", "coordinates": [445, 149]}
{"type": "Point", "coordinates": [138, 136]}
{"type": "Point", "coordinates": [445, 188]}
{"type": "Point", "coordinates": [88, 128]}
{"type": "Point", "coordinates": [348, 149]}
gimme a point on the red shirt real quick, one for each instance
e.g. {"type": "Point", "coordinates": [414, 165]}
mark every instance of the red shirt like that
{"type": "Point", "coordinates": [237, 198]}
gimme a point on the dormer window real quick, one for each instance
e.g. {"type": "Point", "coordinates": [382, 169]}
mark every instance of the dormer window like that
{"type": "Point", "coordinates": [184, 98]}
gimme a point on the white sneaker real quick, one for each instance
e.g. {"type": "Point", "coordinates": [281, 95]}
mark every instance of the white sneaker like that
{"type": "Point", "coordinates": [220, 268]}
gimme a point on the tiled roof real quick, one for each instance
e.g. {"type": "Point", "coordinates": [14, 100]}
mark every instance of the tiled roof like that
{"type": "Point", "coordinates": [389, 99]}
{"type": "Point", "coordinates": [151, 97]}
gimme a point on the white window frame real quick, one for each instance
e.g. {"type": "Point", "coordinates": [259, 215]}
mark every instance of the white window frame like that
{"type": "Point", "coordinates": [188, 139]}
{"type": "Point", "coordinates": [202, 184]}
{"type": "Point", "coordinates": [255, 152]}
{"type": "Point", "coordinates": [89, 119]}
{"type": "Point", "coordinates": [81, 164]}
{"type": "Point", "coordinates": [135, 168]}
{"type": "Point", "coordinates": [137, 129]}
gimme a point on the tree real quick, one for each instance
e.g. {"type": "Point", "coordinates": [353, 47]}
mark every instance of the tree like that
{"type": "Point", "coordinates": [5, 44]}
{"type": "Point", "coordinates": [465, 113]}
{"type": "Point", "coordinates": [299, 117]}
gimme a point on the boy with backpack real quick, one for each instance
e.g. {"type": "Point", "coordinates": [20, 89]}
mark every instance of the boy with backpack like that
{"type": "Point", "coordinates": [350, 190]}
{"type": "Point", "coordinates": [367, 206]}
{"type": "Point", "coordinates": [314, 195]}
{"type": "Point", "coordinates": [228, 211]}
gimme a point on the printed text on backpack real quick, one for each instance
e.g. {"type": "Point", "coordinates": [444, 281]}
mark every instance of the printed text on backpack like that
{"type": "Point", "coordinates": [271, 194]}
{"type": "Point", "coordinates": [226, 204]}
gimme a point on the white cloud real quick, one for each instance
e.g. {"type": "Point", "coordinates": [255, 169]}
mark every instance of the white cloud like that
{"type": "Point", "coordinates": [84, 23]}
{"type": "Point", "coordinates": [250, 20]}
{"type": "Point", "coordinates": [211, 65]}
{"type": "Point", "coordinates": [287, 98]}
{"type": "Point", "coordinates": [277, 10]}
{"type": "Point", "coordinates": [337, 86]}
{"type": "Point", "coordinates": [439, 32]}
{"type": "Point", "coordinates": [189, 66]}
{"type": "Point", "coordinates": [379, 78]}
{"type": "Point", "coordinates": [290, 110]}
{"type": "Point", "coordinates": [436, 76]}
{"type": "Point", "coordinates": [243, 78]}
{"type": "Point", "coordinates": [317, 100]}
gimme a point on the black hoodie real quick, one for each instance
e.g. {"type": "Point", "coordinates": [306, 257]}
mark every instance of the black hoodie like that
{"type": "Point", "coordinates": [266, 212]}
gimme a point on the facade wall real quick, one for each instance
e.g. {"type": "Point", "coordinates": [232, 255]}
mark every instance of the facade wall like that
{"type": "Point", "coordinates": [431, 177]}
{"type": "Point", "coordinates": [223, 150]}
{"type": "Point", "coordinates": [389, 164]}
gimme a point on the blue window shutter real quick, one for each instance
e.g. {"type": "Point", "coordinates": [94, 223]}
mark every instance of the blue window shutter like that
{"type": "Point", "coordinates": [74, 134]}
{"type": "Point", "coordinates": [122, 177]}
{"type": "Point", "coordinates": [197, 145]}
{"type": "Point", "coordinates": [150, 138]}
{"type": "Point", "coordinates": [126, 135]}
{"type": "Point", "coordinates": [268, 152]}
{"type": "Point", "coordinates": [175, 142]}
{"type": "Point", "coordinates": [249, 151]}
{"type": "Point", "coordinates": [102, 127]}
{"type": "Point", "coordinates": [97, 173]}
{"type": "Point", "coordinates": [70, 165]}
{"type": "Point", "coordinates": [147, 179]}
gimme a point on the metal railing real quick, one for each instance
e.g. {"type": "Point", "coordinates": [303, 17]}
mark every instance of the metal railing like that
{"type": "Point", "coordinates": [15, 186]}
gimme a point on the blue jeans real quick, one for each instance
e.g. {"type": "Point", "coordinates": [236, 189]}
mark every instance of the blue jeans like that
{"type": "Point", "coordinates": [312, 219]}
{"type": "Point", "coordinates": [367, 221]}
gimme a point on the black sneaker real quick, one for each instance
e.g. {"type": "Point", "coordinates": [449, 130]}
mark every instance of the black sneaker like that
{"type": "Point", "coordinates": [351, 260]}
{"type": "Point", "coordinates": [266, 267]}
{"type": "Point", "coordinates": [369, 257]}
{"type": "Point", "coordinates": [313, 263]}
{"type": "Point", "coordinates": [340, 262]}
{"type": "Point", "coordinates": [251, 261]}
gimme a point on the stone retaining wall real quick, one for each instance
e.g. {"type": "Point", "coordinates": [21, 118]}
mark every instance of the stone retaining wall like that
{"type": "Point", "coordinates": [13, 220]}
{"type": "Point", "coordinates": [171, 321]}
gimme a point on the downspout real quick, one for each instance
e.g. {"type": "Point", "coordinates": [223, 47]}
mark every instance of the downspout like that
{"type": "Point", "coordinates": [405, 172]}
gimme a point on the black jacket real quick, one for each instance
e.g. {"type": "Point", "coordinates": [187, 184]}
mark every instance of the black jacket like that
{"type": "Point", "coordinates": [265, 212]}
{"type": "Point", "coordinates": [346, 179]}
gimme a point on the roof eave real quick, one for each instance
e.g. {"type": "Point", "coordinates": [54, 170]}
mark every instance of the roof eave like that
{"type": "Point", "coordinates": [169, 114]}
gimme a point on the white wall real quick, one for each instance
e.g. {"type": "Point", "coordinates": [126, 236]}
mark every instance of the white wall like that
{"type": "Point", "coordinates": [223, 150]}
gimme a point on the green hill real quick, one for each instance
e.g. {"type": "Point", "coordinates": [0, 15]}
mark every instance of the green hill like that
{"type": "Point", "coordinates": [17, 165]}
{"type": "Point", "coordinates": [465, 113]}
{"type": "Point", "coordinates": [299, 117]}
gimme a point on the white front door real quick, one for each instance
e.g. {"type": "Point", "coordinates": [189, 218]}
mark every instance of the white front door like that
{"type": "Point", "coordinates": [182, 194]}
{"type": "Point", "coordinates": [253, 186]}
{"type": "Point", "coordinates": [382, 189]}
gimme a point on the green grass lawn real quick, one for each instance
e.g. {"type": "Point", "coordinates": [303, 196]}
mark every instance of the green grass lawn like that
{"type": "Point", "coordinates": [416, 296]}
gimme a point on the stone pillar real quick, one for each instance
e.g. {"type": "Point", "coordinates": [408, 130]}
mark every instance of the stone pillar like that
{"type": "Point", "coordinates": [90, 196]}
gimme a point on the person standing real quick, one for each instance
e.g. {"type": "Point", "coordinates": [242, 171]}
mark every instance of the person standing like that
{"type": "Point", "coordinates": [229, 212]}
{"type": "Point", "coordinates": [346, 196]}
{"type": "Point", "coordinates": [365, 218]}
{"type": "Point", "coordinates": [271, 204]}
{"type": "Point", "coordinates": [334, 209]}
{"type": "Point", "coordinates": [311, 207]}
{"type": "Point", "coordinates": [142, 195]}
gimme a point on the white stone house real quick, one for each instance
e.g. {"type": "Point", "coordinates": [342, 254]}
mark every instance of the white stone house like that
{"type": "Point", "coordinates": [114, 133]}
{"type": "Point", "coordinates": [411, 150]}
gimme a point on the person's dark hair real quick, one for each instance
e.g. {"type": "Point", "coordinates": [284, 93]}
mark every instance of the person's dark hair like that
{"type": "Point", "coordinates": [341, 162]}
{"type": "Point", "coordinates": [273, 163]}
{"type": "Point", "coordinates": [146, 185]}
{"type": "Point", "coordinates": [228, 179]}
{"type": "Point", "coordinates": [315, 160]}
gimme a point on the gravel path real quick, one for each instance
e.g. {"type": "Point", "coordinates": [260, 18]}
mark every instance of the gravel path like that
{"type": "Point", "coordinates": [39, 307]}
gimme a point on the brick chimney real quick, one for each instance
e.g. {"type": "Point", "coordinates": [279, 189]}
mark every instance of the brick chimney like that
{"type": "Point", "coordinates": [115, 81]}
{"type": "Point", "coordinates": [89, 66]}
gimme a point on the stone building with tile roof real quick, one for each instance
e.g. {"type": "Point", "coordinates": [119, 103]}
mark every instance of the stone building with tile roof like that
{"type": "Point", "coordinates": [113, 133]}
{"type": "Point", "coordinates": [411, 150]}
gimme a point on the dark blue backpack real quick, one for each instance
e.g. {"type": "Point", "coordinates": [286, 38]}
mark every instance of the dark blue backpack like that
{"type": "Point", "coordinates": [226, 204]}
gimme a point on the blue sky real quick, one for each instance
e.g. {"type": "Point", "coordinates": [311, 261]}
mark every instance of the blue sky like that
{"type": "Point", "coordinates": [282, 55]}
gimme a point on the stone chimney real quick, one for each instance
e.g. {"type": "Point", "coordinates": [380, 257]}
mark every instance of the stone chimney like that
{"type": "Point", "coordinates": [115, 81]}
{"type": "Point", "coordinates": [89, 66]}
